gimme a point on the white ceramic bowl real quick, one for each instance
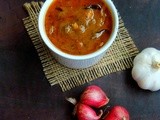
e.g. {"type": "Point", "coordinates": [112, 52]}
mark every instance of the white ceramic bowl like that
{"type": "Point", "coordinates": [77, 61]}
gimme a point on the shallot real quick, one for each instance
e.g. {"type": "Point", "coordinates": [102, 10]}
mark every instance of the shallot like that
{"type": "Point", "coordinates": [117, 113]}
{"type": "Point", "coordinates": [94, 96]}
{"type": "Point", "coordinates": [85, 112]}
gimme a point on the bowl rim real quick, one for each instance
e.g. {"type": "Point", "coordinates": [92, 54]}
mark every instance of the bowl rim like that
{"type": "Point", "coordinates": [53, 48]}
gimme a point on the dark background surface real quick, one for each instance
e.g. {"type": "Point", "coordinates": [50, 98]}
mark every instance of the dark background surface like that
{"type": "Point", "coordinates": [25, 93]}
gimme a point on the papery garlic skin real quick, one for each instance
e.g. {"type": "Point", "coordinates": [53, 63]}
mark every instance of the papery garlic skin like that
{"type": "Point", "coordinates": [146, 69]}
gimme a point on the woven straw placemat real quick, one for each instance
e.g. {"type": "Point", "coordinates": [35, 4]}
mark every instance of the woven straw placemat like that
{"type": "Point", "coordinates": [119, 56]}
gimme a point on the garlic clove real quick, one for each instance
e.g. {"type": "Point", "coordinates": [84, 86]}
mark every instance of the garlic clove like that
{"type": "Point", "coordinates": [155, 82]}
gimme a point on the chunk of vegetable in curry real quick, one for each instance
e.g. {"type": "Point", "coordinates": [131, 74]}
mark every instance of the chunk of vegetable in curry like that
{"type": "Point", "coordinates": [78, 27]}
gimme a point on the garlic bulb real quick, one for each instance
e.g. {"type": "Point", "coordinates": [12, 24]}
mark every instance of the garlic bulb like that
{"type": "Point", "coordinates": [146, 69]}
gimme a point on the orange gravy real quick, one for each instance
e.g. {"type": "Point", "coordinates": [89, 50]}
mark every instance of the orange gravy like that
{"type": "Point", "coordinates": [78, 27]}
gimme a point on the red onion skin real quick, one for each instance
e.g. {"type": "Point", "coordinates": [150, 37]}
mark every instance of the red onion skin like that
{"type": "Point", "coordinates": [117, 113]}
{"type": "Point", "coordinates": [94, 96]}
{"type": "Point", "coordinates": [84, 112]}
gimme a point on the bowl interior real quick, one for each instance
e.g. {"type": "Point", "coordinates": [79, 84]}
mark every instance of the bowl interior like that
{"type": "Point", "coordinates": [53, 48]}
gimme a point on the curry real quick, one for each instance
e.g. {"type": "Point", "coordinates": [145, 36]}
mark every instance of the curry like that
{"type": "Point", "coordinates": [78, 27]}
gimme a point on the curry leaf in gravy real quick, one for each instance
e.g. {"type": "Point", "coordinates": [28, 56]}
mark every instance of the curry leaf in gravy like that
{"type": "Point", "coordinates": [96, 7]}
{"type": "Point", "coordinates": [59, 9]}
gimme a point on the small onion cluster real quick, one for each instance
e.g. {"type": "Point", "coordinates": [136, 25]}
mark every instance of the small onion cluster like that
{"type": "Point", "coordinates": [94, 97]}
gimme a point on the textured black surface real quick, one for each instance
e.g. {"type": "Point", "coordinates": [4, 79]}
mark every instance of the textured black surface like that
{"type": "Point", "coordinates": [25, 92]}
